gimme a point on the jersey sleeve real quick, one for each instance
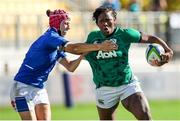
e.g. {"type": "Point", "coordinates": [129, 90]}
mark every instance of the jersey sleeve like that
{"type": "Point", "coordinates": [89, 38]}
{"type": "Point", "coordinates": [133, 36]}
{"type": "Point", "coordinates": [61, 54]}
{"type": "Point", "coordinates": [55, 41]}
{"type": "Point", "coordinates": [89, 41]}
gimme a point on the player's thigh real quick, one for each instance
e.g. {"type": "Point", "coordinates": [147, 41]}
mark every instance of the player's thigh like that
{"type": "Point", "coordinates": [21, 101]}
{"type": "Point", "coordinates": [43, 111]}
{"type": "Point", "coordinates": [107, 114]}
{"type": "Point", "coordinates": [138, 105]}
{"type": "Point", "coordinates": [28, 115]}
{"type": "Point", "coordinates": [42, 105]}
{"type": "Point", "coordinates": [107, 100]}
{"type": "Point", "coordinates": [107, 97]}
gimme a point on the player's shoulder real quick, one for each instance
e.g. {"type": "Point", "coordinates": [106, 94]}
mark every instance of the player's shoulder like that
{"type": "Point", "coordinates": [120, 30]}
{"type": "Point", "coordinates": [130, 31]}
{"type": "Point", "coordinates": [94, 33]}
{"type": "Point", "coordinates": [52, 32]}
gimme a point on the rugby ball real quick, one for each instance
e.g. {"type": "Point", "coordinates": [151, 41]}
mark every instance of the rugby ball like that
{"type": "Point", "coordinates": [153, 52]}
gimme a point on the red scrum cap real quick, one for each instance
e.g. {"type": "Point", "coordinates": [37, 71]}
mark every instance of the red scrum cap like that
{"type": "Point", "coordinates": [56, 17]}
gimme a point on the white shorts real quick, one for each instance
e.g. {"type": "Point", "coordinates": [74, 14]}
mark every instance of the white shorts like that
{"type": "Point", "coordinates": [25, 97]}
{"type": "Point", "coordinates": [107, 97]}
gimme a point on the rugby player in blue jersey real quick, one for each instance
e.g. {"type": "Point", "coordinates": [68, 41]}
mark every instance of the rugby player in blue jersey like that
{"type": "Point", "coordinates": [28, 95]}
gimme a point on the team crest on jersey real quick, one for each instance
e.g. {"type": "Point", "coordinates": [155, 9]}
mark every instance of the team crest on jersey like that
{"type": "Point", "coordinates": [113, 40]}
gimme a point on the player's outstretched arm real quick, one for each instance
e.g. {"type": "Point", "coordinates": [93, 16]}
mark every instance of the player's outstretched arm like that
{"type": "Point", "coordinates": [80, 48]}
{"type": "Point", "coordinates": [167, 56]}
{"type": "Point", "coordinates": [71, 65]}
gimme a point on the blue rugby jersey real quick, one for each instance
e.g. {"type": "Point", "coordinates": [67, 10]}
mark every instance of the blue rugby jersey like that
{"type": "Point", "coordinates": [41, 58]}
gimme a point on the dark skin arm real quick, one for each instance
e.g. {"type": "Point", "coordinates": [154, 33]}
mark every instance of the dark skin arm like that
{"type": "Point", "coordinates": [80, 48]}
{"type": "Point", "coordinates": [167, 56]}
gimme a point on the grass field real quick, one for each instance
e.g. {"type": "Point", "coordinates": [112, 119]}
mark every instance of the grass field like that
{"type": "Point", "coordinates": [161, 110]}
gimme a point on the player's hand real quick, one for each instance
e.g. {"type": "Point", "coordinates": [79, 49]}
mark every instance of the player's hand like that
{"type": "Point", "coordinates": [165, 58]}
{"type": "Point", "coordinates": [108, 46]}
{"type": "Point", "coordinates": [158, 63]}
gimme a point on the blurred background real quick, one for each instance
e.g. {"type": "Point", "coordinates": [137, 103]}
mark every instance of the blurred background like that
{"type": "Point", "coordinates": [22, 21]}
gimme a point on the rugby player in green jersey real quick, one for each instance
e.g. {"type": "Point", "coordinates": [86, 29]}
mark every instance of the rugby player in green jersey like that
{"type": "Point", "coordinates": [112, 74]}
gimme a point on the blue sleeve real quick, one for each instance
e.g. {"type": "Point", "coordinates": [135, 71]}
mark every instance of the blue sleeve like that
{"type": "Point", "coordinates": [61, 54]}
{"type": "Point", "coordinates": [55, 40]}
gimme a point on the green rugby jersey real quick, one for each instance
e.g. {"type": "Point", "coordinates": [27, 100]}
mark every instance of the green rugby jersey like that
{"type": "Point", "coordinates": [112, 68]}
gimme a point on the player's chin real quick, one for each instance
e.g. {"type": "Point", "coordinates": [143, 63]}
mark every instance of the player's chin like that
{"type": "Point", "coordinates": [105, 31]}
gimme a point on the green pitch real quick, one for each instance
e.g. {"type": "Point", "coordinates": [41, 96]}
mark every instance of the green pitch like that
{"type": "Point", "coordinates": [161, 110]}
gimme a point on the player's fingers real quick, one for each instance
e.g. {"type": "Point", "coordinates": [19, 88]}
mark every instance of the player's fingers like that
{"type": "Point", "coordinates": [107, 41]}
{"type": "Point", "coordinates": [158, 63]}
{"type": "Point", "coordinates": [115, 46]}
{"type": "Point", "coordinates": [165, 58]}
{"type": "Point", "coordinates": [154, 62]}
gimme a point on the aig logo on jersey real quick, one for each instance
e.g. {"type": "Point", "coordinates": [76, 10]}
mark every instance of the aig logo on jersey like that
{"type": "Point", "coordinates": [105, 55]}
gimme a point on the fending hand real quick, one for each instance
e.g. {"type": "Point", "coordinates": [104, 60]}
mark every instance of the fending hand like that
{"type": "Point", "coordinates": [108, 46]}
